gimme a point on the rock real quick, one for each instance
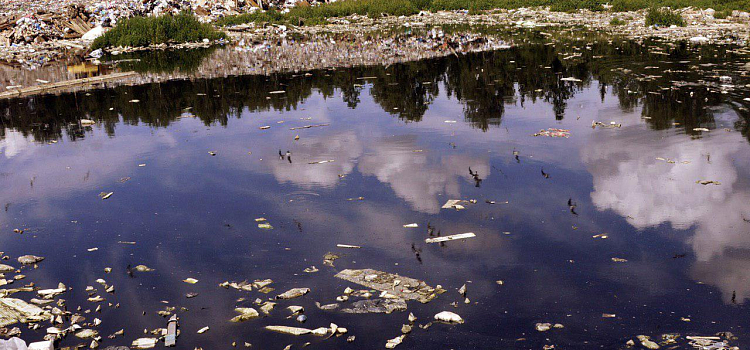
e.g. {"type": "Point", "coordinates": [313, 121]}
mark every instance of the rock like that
{"type": "Point", "coordinates": [6, 268]}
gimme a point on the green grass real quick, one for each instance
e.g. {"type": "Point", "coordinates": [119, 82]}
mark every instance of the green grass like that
{"type": "Point", "coordinates": [312, 15]}
{"type": "Point", "coordinates": [145, 31]}
{"type": "Point", "coordinates": [617, 22]}
{"type": "Point", "coordinates": [663, 17]}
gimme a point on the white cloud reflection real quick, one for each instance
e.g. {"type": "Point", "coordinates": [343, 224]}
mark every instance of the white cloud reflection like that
{"type": "Point", "coordinates": [630, 180]}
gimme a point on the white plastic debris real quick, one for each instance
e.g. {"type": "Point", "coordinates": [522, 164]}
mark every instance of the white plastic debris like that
{"type": "Point", "coordinates": [449, 317]}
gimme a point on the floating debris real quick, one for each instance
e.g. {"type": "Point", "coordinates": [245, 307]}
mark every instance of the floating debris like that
{"type": "Point", "coordinates": [448, 317]}
{"type": "Point", "coordinates": [190, 280]}
{"type": "Point", "coordinates": [348, 246]}
{"type": "Point", "coordinates": [171, 338]}
{"type": "Point", "coordinates": [392, 343]}
{"type": "Point", "coordinates": [329, 258]}
{"type": "Point", "coordinates": [289, 330]}
{"type": "Point", "coordinates": [322, 161]}
{"type": "Point", "coordinates": [611, 125]}
{"type": "Point", "coordinates": [543, 327]}
{"type": "Point", "coordinates": [308, 126]}
{"type": "Point", "coordinates": [647, 343]}
{"type": "Point", "coordinates": [143, 268]}
{"type": "Point", "coordinates": [454, 204]}
{"type": "Point", "coordinates": [708, 182]}
{"type": "Point", "coordinates": [16, 310]}
{"type": "Point", "coordinates": [144, 343]}
{"type": "Point", "coordinates": [553, 132]}
{"type": "Point", "coordinates": [412, 225]}
{"type": "Point", "coordinates": [105, 195]}
{"type": "Point", "coordinates": [450, 238]}
{"type": "Point", "coordinates": [619, 260]}
{"type": "Point", "coordinates": [408, 288]}
{"type": "Point", "coordinates": [293, 293]}
{"type": "Point", "coordinates": [29, 259]}
{"type": "Point", "coordinates": [203, 330]}
{"type": "Point", "coordinates": [327, 307]}
{"type": "Point", "coordinates": [267, 307]}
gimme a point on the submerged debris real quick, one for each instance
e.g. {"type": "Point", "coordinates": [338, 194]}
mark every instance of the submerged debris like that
{"type": "Point", "coordinates": [385, 306]}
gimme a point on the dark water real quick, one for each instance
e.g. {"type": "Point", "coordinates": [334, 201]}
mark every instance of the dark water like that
{"type": "Point", "coordinates": [390, 136]}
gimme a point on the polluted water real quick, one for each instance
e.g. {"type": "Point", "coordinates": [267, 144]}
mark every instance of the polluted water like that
{"type": "Point", "coordinates": [586, 193]}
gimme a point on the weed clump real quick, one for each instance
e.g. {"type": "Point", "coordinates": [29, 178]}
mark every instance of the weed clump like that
{"type": "Point", "coordinates": [617, 22]}
{"type": "Point", "coordinates": [663, 17]}
{"type": "Point", "coordinates": [313, 15]}
{"type": "Point", "coordinates": [145, 31]}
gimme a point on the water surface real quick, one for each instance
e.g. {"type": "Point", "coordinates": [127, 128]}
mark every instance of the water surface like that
{"type": "Point", "coordinates": [405, 138]}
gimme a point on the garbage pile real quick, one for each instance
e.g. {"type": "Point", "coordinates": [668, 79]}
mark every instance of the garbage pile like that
{"type": "Point", "coordinates": [38, 21]}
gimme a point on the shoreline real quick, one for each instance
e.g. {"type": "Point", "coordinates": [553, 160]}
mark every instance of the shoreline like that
{"type": "Point", "coordinates": [364, 41]}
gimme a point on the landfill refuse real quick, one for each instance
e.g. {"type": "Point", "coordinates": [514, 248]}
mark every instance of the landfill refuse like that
{"type": "Point", "coordinates": [13, 343]}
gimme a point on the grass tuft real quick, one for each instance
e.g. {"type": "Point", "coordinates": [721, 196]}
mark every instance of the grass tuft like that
{"type": "Point", "coordinates": [663, 17]}
{"type": "Point", "coordinates": [313, 15]}
{"type": "Point", "coordinates": [145, 31]}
